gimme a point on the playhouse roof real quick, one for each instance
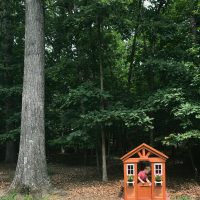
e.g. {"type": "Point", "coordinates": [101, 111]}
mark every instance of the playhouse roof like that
{"type": "Point", "coordinates": [146, 147]}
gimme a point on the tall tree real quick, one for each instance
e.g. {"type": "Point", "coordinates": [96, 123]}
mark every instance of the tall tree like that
{"type": "Point", "coordinates": [103, 136]}
{"type": "Point", "coordinates": [134, 43]}
{"type": "Point", "coordinates": [31, 173]}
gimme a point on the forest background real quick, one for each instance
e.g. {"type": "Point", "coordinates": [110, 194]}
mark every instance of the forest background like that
{"type": "Point", "coordinates": [118, 73]}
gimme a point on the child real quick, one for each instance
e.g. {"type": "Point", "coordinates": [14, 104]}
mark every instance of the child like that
{"type": "Point", "coordinates": [143, 175]}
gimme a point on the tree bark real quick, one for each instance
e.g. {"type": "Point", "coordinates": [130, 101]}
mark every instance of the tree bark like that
{"type": "Point", "coordinates": [97, 160]}
{"type": "Point", "coordinates": [193, 22]}
{"type": "Point", "coordinates": [62, 149]}
{"type": "Point", "coordinates": [195, 169]}
{"type": "Point", "coordinates": [151, 140]}
{"type": "Point", "coordinates": [103, 135]}
{"type": "Point", "coordinates": [31, 172]}
{"type": "Point", "coordinates": [133, 48]}
{"type": "Point", "coordinates": [104, 164]}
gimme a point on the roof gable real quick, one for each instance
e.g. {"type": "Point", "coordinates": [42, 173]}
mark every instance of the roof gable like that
{"type": "Point", "coordinates": [144, 147]}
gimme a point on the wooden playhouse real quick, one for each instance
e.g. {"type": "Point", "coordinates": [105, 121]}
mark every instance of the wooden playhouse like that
{"type": "Point", "coordinates": [133, 189]}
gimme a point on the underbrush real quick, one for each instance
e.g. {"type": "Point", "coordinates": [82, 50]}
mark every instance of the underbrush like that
{"type": "Point", "coordinates": [16, 197]}
{"type": "Point", "coordinates": [182, 198]}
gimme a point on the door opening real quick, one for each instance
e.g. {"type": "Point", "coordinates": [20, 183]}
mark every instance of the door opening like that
{"type": "Point", "coordinates": [144, 181]}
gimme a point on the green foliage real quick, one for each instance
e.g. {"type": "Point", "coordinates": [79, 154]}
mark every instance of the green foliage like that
{"type": "Point", "coordinates": [165, 99]}
{"type": "Point", "coordinates": [14, 197]}
{"type": "Point", "coordinates": [11, 64]}
{"type": "Point", "coordinates": [12, 91]}
{"type": "Point", "coordinates": [9, 197]}
{"type": "Point", "coordinates": [11, 135]}
{"type": "Point", "coordinates": [74, 139]}
{"type": "Point", "coordinates": [130, 118]}
{"type": "Point", "coordinates": [164, 92]}
{"type": "Point", "coordinates": [158, 41]}
{"type": "Point", "coordinates": [183, 198]}
{"type": "Point", "coordinates": [188, 113]}
{"type": "Point", "coordinates": [158, 178]}
{"type": "Point", "coordinates": [85, 93]}
{"type": "Point", "coordinates": [182, 138]}
{"type": "Point", "coordinates": [130, 178]}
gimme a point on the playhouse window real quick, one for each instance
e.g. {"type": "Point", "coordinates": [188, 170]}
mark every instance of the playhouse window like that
{"type": "Point", "coordinates": [158, 169]}
{"type": "Point", "coordinates": [130, 169]}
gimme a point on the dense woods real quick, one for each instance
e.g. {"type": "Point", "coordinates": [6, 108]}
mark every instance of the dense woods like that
{"type": "Point", "coordinates": [118, 73]}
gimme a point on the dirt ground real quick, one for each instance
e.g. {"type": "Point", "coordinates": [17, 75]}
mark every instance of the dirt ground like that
{"type": "Point", "coordinates": [83, 183]}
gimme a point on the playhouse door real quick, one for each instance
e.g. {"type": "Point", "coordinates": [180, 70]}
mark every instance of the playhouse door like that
{"type": "Point", "coordinates": [144, 191]}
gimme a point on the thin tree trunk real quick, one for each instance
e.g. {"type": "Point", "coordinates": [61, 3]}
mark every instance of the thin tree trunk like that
{"type": "Point", "coordinates": [193, 21]}
{"type": "Point", "coordinates": [10, 156]}
{"type": "Point", "coordinates": [133, 48]}
{"type": "Point", "coordinates": [97, 155]}
{"type": "Point", "coordinates": [193, 164]}
{"type": "Point", "coordinates": [97, 160]}
{"type": "Point", "coordinates": [104, 164]}
{"type": "Point", "coordinates": [108, 145]}
{"type": "Point", "coordinates": [193, 26]}
{"type": "Point", "coordinates": [62, 149]}
{"type": "Point", "coordinates": [85, 157]}
{"type": "Point", "coordinates": [103, 135]}
{"type": "Point", "coordinates": [31, 172]}
{"type": "Point", "coordinates": [152, 138]}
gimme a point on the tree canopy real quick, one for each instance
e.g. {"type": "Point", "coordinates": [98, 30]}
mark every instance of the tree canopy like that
{"type": "Point", "coordinates": [149, 52]}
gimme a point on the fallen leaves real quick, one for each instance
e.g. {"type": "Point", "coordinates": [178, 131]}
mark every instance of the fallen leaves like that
{"type": "Point", "coordinates": [84, 183]}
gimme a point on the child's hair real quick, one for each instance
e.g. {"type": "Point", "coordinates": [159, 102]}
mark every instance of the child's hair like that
{"type": "Point", "coordinates": [148, 168]}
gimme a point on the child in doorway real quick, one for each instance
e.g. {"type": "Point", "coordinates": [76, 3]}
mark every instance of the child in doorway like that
{"type": "Point", "coordinates": [143, 175]}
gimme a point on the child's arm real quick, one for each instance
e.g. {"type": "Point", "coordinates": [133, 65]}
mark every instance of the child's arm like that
{"type": "Point", "coordinates": [140, 180]}
{"type": "Point", "coordinates": [148, 181]}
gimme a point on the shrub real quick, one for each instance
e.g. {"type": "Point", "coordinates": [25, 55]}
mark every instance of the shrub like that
{"type": "Point", "coordinates": [130, 178]}
{"type": "Point", "coordinates": [158, 178]}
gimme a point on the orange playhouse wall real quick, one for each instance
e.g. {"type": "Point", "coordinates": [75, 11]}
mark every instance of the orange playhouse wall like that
{"type": "Point", "coordinates": [159, 192]}
{"type": "Point", "coordinates": [138, 192]}
{"type": "Point", "coordinates": [129, 191]}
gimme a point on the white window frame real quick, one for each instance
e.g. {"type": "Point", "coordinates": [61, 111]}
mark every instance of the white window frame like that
{"type": "Point", "coordinates": [158, 164]}
{"type": "Point", "coordinates": [127, 168]}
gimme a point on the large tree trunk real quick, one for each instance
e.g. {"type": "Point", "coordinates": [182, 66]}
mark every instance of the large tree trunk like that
{"type": "Point", "coordinates": [31, 172]}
